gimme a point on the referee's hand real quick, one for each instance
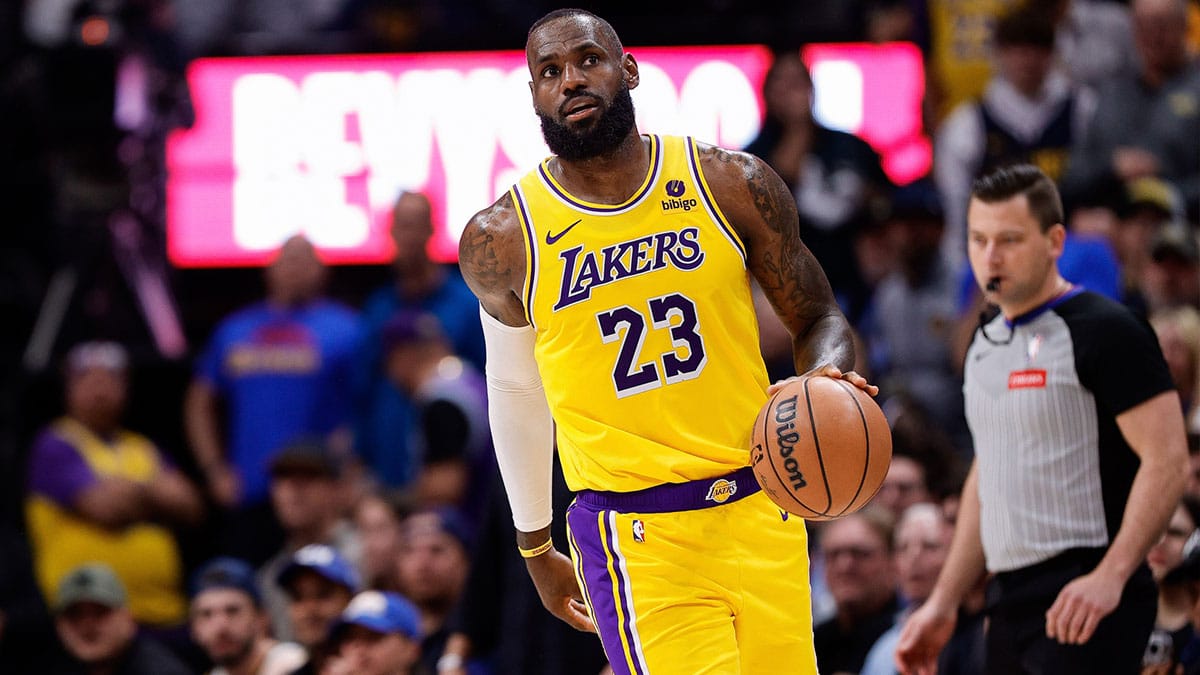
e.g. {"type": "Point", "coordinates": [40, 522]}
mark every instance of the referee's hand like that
{"type": "Point", "coordinates": [1080, 606]}
{"type": "Point", "coordinates": [925, 633]}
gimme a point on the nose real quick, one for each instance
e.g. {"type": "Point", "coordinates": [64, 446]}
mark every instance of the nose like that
{"type": "Point", "coordinates": [573, 77]}
{"type": "Point", "coordinates": [991, 252]}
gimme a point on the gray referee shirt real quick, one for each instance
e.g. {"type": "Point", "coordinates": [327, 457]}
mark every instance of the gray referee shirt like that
{"type": "Point", "coordinates": [1042, 396]}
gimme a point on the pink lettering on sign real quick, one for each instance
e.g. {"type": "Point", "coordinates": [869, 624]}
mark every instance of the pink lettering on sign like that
{"type": "Point", "coordinates": [1027, 379]}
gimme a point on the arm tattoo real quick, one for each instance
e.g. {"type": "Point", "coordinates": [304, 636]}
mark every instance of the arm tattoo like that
{"type": "Point", "coordinates": [478, 259]}
{"type": "Point", "coordinates": [789, 275]}
{"type": "Point", "coordinates": [491, 255]}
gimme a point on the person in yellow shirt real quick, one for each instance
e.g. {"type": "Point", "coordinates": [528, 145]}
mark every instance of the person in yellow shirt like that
{"type": "Point", "coordinates": [100, 493]}
{"type": "Point", "coordinates": [614, 283]}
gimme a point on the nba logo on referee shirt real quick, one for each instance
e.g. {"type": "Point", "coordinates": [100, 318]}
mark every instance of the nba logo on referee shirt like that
{"type": "Point", "coordinates": [1032, 349]}
{"type": "Point", "coordinates": [721, 490]}
{"type": "Point", "coordinates": [639, 531]}
{"type": "Point", "coordinates": [1030, 378]}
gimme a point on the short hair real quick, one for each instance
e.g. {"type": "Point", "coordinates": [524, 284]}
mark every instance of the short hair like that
{"type": "Point", "coordinates": [880, 521]}
{"type": "Point", "coordinates": [1025, 26]}
{"type": "Point", "coordinates": [606, 28]}
{"type": "Point", "coordinates": [1009, 181]}
{"type": "Point", "coordinates": [920, 510]}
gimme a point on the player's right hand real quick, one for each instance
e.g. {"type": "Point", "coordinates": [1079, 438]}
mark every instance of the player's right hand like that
{"type": "Point", "coordinates": [554, 576]}
{"type": "Point", "coordinates": [924, 634]}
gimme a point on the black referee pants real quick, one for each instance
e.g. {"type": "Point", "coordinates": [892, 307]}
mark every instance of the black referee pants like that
{"type": "Point", "coordinates": [1016, 633]}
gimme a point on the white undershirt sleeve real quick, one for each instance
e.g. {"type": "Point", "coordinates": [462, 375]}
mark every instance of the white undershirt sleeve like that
{"type": "Point", "coordinates": [522, 429]}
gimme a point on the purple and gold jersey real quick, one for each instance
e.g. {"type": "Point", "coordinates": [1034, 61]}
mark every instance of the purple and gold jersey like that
{"type": "Point", "coordinates": [647, 342]}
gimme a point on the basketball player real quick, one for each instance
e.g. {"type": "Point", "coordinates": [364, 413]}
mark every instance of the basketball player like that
{"type": "Point", "coordinates": [1080, 456]}
{"type": "Point", "coordinates": [614, 286]}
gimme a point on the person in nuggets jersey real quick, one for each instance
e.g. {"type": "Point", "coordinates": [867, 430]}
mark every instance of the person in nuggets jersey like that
{"type": "Point", "coordinates": [614, 281]}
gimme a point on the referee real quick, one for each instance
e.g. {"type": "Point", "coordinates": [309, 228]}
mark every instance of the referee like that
{"type": "Point", "coordinates": [1080, 456]}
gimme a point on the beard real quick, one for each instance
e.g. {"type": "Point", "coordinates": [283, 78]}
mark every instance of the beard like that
{"type": "Point", "coordinates": [604, 135]}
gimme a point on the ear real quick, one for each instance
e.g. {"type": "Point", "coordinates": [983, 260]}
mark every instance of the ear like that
{"type": "Point", "coordinates": [630, 66]}
{"type": "Point", "coordinates": [1057, 234]}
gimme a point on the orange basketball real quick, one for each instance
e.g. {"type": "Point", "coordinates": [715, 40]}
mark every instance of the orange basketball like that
{"type": "Point", "coordinates": [820, 448]}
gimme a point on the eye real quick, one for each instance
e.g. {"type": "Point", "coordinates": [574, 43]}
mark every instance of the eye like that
{"type": "Point", "coordinates": [591, 60]}
{"type": "Point", "coordinates": [550, 71]}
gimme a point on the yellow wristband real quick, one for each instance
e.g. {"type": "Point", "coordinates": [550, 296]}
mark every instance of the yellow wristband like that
{"type": "Point", "coordinates": [536, 550]}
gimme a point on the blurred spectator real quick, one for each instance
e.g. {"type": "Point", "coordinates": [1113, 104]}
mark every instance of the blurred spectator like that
{"type": "Point", "coordinates": [280, 369]}
{"type": "Point", "coordinates": [377, 518]}
{"type": "Point", "coordinates": [1175, 564]}
{"type": "Point", "coordinates": [836, 177]}
{"type": "Point", "coordinates": [378, 634]}
{"type": "Point", "coordinates": [1029, 112]}
{"type": "Point", "coordinates": [433, 566]}
{"type": "Point", "coordinates": [930, 464]}
{"type": "Point", "coordinates": [1093, 39]}
{"type": "Point", "coordinates": [229, 624]}
{"type": "Point", "coordinates": [98, 630]}
{"type": "Point", "coordinates": [319, 584]}
{"type": "Point", "coordinates": [960, 55]}
{"type": "Point", "coordinates": [903, 487]}
{"type": "Point", "coordinates": [451, 440]}
{"type": "Point", "coordinates": [1093, 42]}
{"type": "Point", "coordinates": [1148, 205]}
{"type": "Point", "coordinates": [306, 492]}
{"type": "Point", "coordinates": [1178, 331]}
{"type": "Point", "coordinates": [1146, 123]}
{"type": "Point", "coordinates": [922, 543]}
{"type": "Point", "coordinates": [99, 492]}
{"type": "Point", "coordinates": [387, 416]}
{"type": "Point", "coordinates": [891, 21]}
{"type": "Point", "coordinates": [913, 311]}
{"type": "Point", "coordinates": [860, 572]}
{"type": "Point", "coordinates": [1173, 277]}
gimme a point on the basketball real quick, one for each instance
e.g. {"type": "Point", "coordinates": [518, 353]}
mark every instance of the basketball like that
{"type": "Point", "coordinates": [820, 448]}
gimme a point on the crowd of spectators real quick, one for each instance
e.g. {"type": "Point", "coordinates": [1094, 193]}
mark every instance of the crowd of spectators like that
{"type": "Point", "coordinates": [312, 489]}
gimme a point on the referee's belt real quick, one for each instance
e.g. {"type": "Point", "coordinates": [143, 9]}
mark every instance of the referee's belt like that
{"type": "Point", "coordinates": [689, 496]}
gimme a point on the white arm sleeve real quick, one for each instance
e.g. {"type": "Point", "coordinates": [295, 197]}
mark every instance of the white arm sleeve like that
{"type": "Point", "coordinates": [522, 430]}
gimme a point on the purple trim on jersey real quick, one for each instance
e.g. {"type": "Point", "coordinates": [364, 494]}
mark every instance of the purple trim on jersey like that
{"type": "Point", "coordinates": [519, 199]}
{"type": "Point", "coordinates": [594, 548]}
{"type": "Point", "coordinates": [697, 494]}
{"type": "Point", "coordinates": [709, 201]}
{"type": "Point", "coordinates": [656, 160]}
{"type": "Point", "coordinates": [57, 471]}
{"type": "Point", "coordinates": [1034, 313]}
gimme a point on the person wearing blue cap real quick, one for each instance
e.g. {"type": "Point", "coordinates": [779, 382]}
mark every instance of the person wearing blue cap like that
{"type": "Point", "coordinates": [378, 634]}
{"type": "Point", "coordinates": [230, 625]}
{"type": "Point", "coordinates": [319, 584]}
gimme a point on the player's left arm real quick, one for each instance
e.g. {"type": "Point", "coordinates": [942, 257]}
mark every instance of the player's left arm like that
{"type": "Point", "coordinates": [1155, 431]}
{"type": "Point", "coordinates": [760, 208]}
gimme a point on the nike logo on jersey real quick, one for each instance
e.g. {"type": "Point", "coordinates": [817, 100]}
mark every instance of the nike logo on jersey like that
{"type": "Point", "coordinates": [552, 239]}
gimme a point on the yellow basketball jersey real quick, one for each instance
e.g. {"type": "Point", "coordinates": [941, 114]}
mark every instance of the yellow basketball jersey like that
{"type": "Point", "coordinates": [646, 342]}
{"type": "Point", "coordinates": [144, 555]}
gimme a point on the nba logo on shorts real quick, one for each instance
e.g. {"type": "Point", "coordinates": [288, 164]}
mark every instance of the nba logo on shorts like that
{"type": "Point", "coordinates": [639, 531]}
